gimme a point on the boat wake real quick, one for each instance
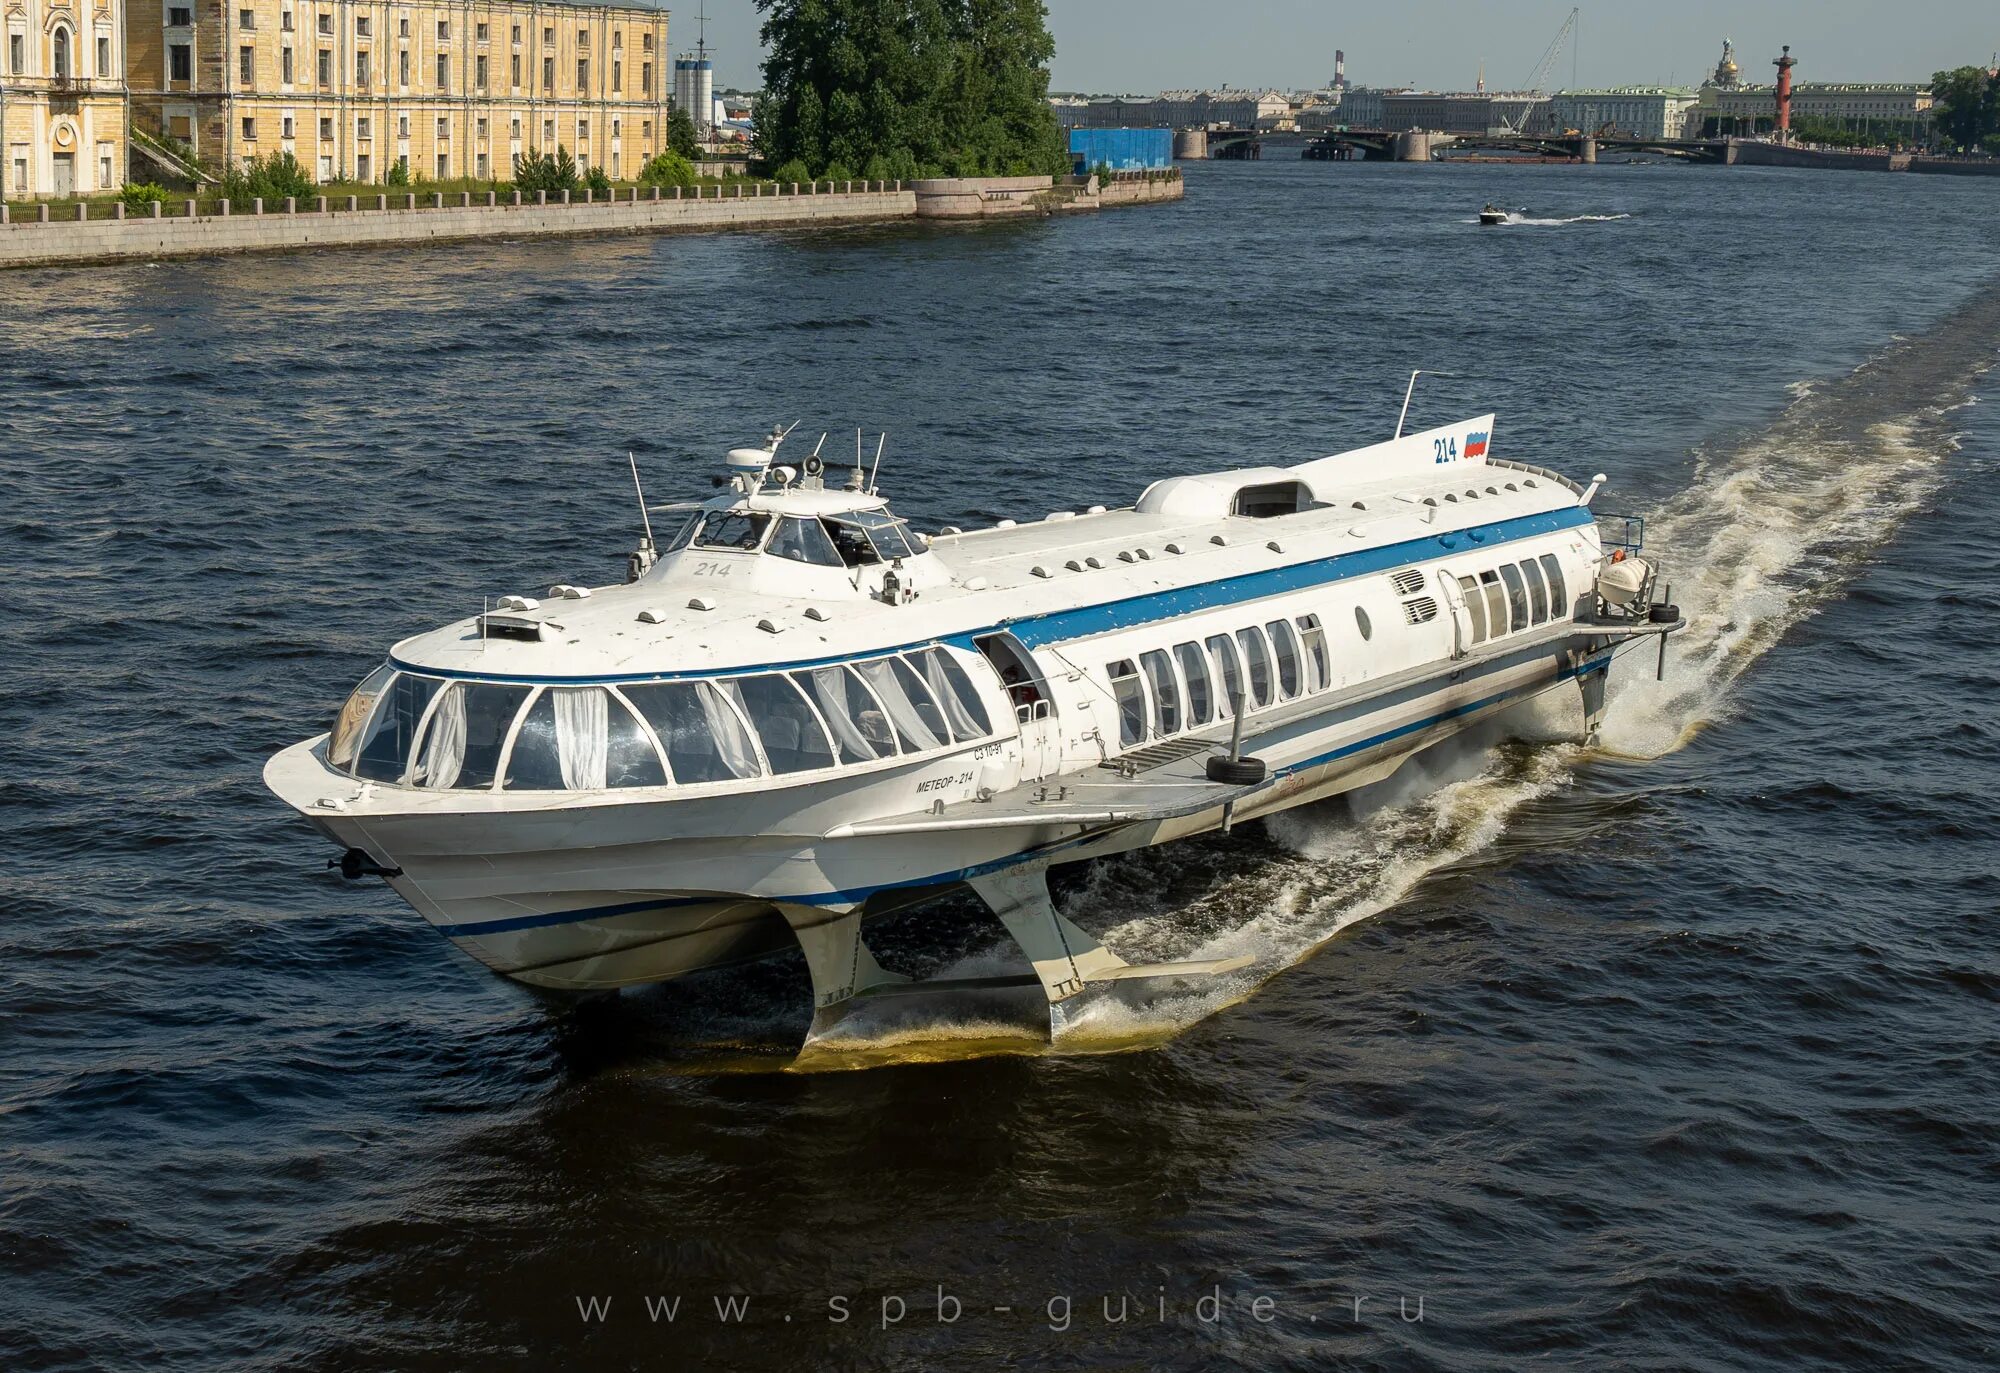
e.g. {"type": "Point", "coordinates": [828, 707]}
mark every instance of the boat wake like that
{"type": "Point", "coordinates": [1521, 218]}
{"type": "Point", "coordinates": [1774, 525]}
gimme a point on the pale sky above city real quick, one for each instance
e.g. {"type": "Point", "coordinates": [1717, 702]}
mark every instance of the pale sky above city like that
{"type": "Point", "coordinates": [1143, 46]}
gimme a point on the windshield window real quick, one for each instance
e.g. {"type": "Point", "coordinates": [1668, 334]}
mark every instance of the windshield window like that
{"type": "Point", "coordinates": [869, 536]}
{"type": "Point", "coordinates": [385, 750]}
{"type": "Point", "coordinates": [739, 530]}
{"type": "Point", "coordinates": [675, 526]}
{"type": "Point", "coordinates": [704, 738]}
{"type": "Point", "coordinates": [804, 541]}
{"type": "Point", "coordinates": [462, 743]}
{"type": "Point", "coordinates": [346, 734]}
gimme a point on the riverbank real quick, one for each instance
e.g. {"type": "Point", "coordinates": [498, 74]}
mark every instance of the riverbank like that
{"type": "Point", "coordinates": [1745, 152]}
{"type": "Point", "coordinates": [414, 218]}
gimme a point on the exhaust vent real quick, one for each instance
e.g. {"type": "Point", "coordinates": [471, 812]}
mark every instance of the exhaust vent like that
{"type": "Point", "coordinates": [1408, 582]}
{"type": "Point", "coordinates": [1420, 610]}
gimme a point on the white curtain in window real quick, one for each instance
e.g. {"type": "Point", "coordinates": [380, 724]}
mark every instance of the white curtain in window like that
{"type": "Point", "coordinates": [444, 746]}
{"type": "Point", "coordinates": [583, 736]}
{"type": "Point", "coordinates": [902, 711]}
{"type": "Point", "coordinates": [830, 686]}
{"type": "Point", "coordinates": [962, 723]}
{"type": "Point", "coordinates": [732, 739]}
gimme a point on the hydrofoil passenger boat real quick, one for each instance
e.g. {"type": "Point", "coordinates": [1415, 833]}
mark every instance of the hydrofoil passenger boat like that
{"type": "Point", "coordinates": [799, 712]}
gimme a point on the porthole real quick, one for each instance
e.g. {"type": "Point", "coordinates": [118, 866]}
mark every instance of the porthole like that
{"type": "Point", "coordinates": [1361, 623]}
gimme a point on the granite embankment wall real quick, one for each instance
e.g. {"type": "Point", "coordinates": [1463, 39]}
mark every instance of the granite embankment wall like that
{"type": "Point", "coordinates": [1747, 153]}
{"type": "Point", "coordinates": [415, 218]}
{"type": "Point", "coordinates": [409, 218]}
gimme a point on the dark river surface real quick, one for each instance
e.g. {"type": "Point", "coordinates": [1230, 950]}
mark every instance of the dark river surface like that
{"type": "Point", "coordinates": [1680, 1052]}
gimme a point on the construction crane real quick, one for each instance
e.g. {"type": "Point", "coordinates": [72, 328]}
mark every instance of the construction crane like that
{"type": "Point", "coordinates": [1539, 80]}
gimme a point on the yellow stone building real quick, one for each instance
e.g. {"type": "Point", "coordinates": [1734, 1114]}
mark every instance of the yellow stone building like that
{"type": "Point", "coordinates": [62, 97]}
{"type": "Point", "coordinates": [353, 87]}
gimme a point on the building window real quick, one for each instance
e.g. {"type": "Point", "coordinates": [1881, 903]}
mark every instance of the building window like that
{"type": "Point", "coordinates": [285, 127]}
{"type": "Point", "coordinates": [180, 18]}
{"type": "Point", "coordinates": [104, 172]}
{"type": "Point", "coordinates": [614, 131]}
{"type": "Point", "coordinates": [548, 37]}
{"type": "Point", "coordinates": [362, 126]}
{"type": "Point", "coordinates": [402, 126]}
{"type": "Point", "coordinates": [361, 72]}
{"type": "Point", "coordinates": [514, 130]}
{"type": "Point", "coordinates": [482, 166]}
{"type": "Point", "coordinates": [517, 33]}
{"type": "Point", "coordinates": [479, 71]}
{"type": "Point", "coordinates": [480, 128]}
{"type": "Point", "coordinates": [326, 129]}
{"type": "Point", "coordinates": [364, 168]}
{"type": "Point", "coordinates": [645, 42]}
{"type": "Point", "coordinates": [444, 71]}
{"type": "Point", "coordinates": [285, 22]}
{"type": "Point", "coordinates": [646, 130]}
{"type": "Point", "coordinates": [249, 128]}
{"type": "Point", "coordinates": [517, 71]}
{"type": "Point", "coordinates": [326, 66]}
{"type": "Point", "coordinates": [548, 133]}
{"type": "Point", "coordinates": [403, 27]}
{"type": "Point", "coordinates": [444, 31]}
{"type": "Point", "coordinates": [246, 65]}
{"type": "Point", "coordinates": [180, 62]}
{"type": "Point", "coordinates": [444, 167]}
{"type": "Point", "coordinates": [480, 33]}
{"type": "Point", "coordinates": [326, 24]}
{"type": "Point", "coordinates": [20, 173]}
{"type": "Point", "coordinates": [617, 75]}
{"type": "Point", "coordinates": [285, 65]}
{"type": "Point", "coordinates": [548, 73]}
{"type": "Point", "coordinates": [444, 126]}
{"type": "Point", "coordinates": [364, 27]}
{"type": "Point", "coordinates": [617, 38]}
{"type": "Point", "coordinates": [246, 20]}
{"type": "Point", "coordinates": [583, 133]}
{"type": "Point", "coordinates": [104, 55]}
{"type": "Point", "coordinates": [646, 78]}
{"type": "Point", "coordinates": [403, 67]}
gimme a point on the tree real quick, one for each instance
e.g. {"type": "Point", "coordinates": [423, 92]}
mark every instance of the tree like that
{"type": "Point", "coordinates": [552, 172]}
{"type": "Point", "coordinates": [917, 86]}
{"type": "Point", "coordinates": [1966, 106]}
{"type": "Point", "coordinates": [667, 169]}
{"type": "Point", "coordinates": [681, 135]}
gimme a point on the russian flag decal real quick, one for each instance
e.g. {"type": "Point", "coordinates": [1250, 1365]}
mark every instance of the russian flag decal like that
{"type": "Point", "coordinates": [1475, 444]}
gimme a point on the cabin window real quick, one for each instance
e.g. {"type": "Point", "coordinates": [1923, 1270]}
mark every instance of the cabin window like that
{"type": "Point", "coordinates": [1538, 594]}
{"type": "Point", "coordinates": [676, 525]}
{"type": "Point", "coordinates": [1558, 593]}
{"type": "Point", "coordinates": [954, 690]}
{"type": "Point", "coordinates": [860, 728]}
{"type": "Point", "coordinates": [1228, 670]}
{"type": "Point", "coordinates": [804, 541]}
{"type": "Point", "coordinates": [1272, 499]}
{"type": "Point", "coordinates": [385, 751]}
{"type": "Point", "coordinates": [1285, 644]}
{"type": "Point", "coordinates": [738, 530]}
{"type": "Point", "coordinates": [345, 736]}
{"type": "Point", "coordinates": [793, 738]}
{"type": "Point", "coordinates": [1200, 691]}
{"type": "Point", "coordinates": [1259, 659]}
{"type": "Point", "coordinates": [1361, 623]}
{"type": "Point", "coordinates": [581, 739]}
{"type": "Point", "coordinates": [1517, 594]}
{"type": "Point", "coordinates": [1475, 607]}
{"type": "Point", "coordinates": [1321, 666]}
{"type": "Point", "coordinates": [918, 724]}
{"type": "Point", "coordinates": [1496, 605]}
{"type": "Point", "coordinates": [704, 736]}
{"type": "Point", "coordinates": [1166, 691]}
{"type": "Point", "coordinates": [1130, 694]}
{"type": "Point", "coordinates": [468, 730]}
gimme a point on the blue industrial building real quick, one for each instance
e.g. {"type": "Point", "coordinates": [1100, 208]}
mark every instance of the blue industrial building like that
{"type": "Point", "coordinates": [1127, 150]}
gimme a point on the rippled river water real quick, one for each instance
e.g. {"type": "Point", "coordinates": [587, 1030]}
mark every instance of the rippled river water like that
{"type": "Point", "coordinates": [1675, 1053]}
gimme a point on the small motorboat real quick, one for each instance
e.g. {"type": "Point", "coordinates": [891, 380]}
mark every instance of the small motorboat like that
{"type": "Point", "coordinates": [1492, 214]}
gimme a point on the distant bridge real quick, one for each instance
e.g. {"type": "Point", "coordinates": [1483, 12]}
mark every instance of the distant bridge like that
{"type": "Point", "coordinates": [1414, 145]}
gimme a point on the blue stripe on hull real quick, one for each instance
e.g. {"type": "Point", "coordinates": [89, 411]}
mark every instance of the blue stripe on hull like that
{"type": "Point", "coordinates": [1060, 625]}
{"type": "Point", "coordinates": [475, 928]}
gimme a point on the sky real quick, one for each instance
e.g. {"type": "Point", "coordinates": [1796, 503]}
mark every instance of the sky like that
{"type": "Point", "coordinates": [1143, 46]}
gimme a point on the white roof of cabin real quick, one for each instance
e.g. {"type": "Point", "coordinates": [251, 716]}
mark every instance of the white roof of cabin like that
{"type": "Point", "coordinates": [987, 577]}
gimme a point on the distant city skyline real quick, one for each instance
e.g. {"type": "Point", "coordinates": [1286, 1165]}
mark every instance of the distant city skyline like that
{"type": "Point", "coordinates": [1143, 46]}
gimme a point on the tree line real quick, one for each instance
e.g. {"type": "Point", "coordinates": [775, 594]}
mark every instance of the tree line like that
{"type": "Point", "coordinates": [1966, 108]}
{"type": "Point", "coordinates": [898, 89]}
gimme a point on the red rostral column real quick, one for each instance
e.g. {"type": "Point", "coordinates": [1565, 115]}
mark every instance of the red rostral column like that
{"type": "Point", "coordinates": [1784, 65]}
